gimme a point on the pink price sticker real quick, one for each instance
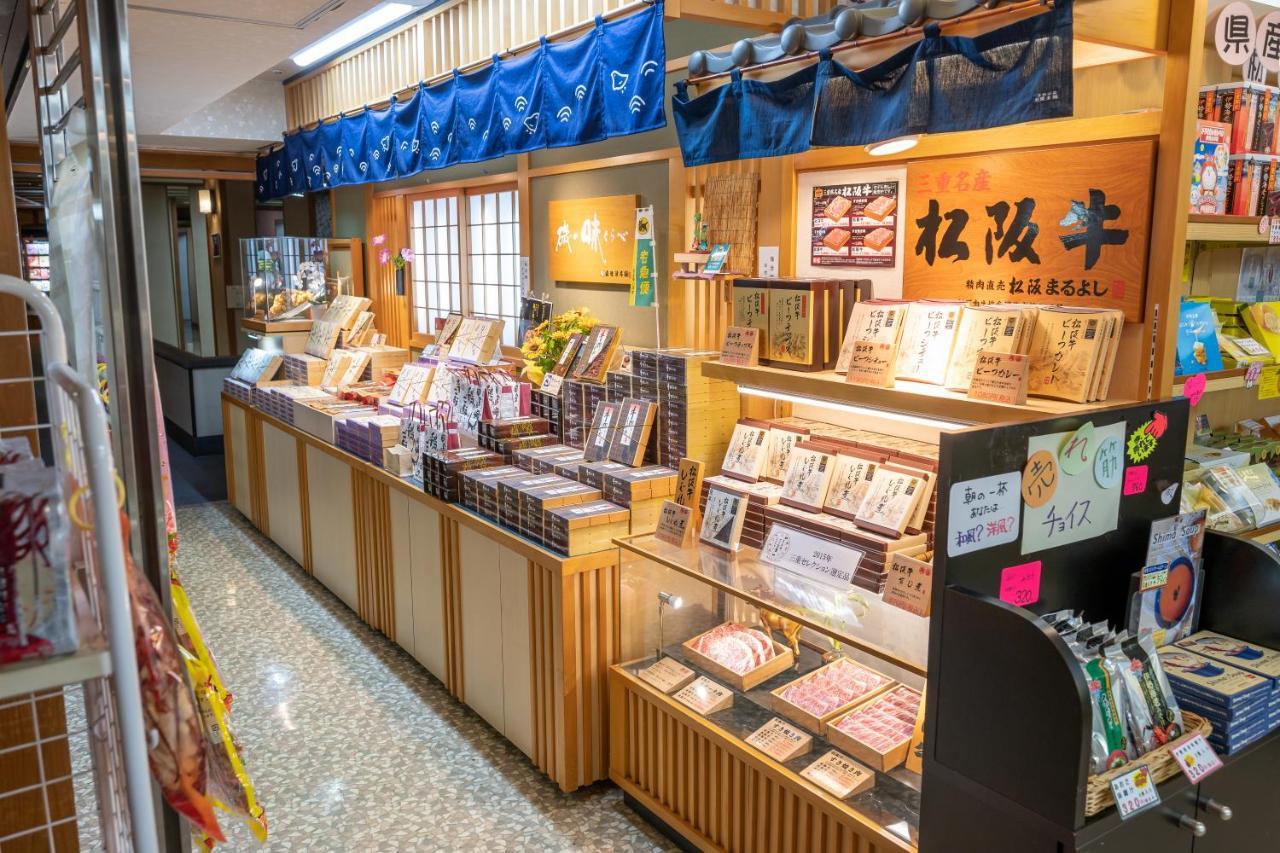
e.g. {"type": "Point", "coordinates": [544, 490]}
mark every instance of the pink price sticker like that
{"type": "Point", "coordinates": [1020, 585]}
{"type": "Point", "coordinates": [1135, 479]}
{"type": "Point", "coordinates": [1196, 758]}
{"type": "Point", "coordinates": [1193, 388]}
{"type": "Point", "coordinates": [1252, 375]}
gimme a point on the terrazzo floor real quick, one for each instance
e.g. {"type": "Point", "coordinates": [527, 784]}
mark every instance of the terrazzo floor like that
{"type": "Point", "coordinates": [351, 744]}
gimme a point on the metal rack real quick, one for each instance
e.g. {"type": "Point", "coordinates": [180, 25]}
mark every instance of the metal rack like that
{"type": "Point", "coordinates": [100, 685]}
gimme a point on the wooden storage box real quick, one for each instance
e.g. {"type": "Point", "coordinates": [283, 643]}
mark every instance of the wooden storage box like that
{"type": "Point", "coordinates": [881, 761]}
{"type": "Point", "coordinates": [817, 724]}
{"type": "Point", "coordinates": [781, 661]}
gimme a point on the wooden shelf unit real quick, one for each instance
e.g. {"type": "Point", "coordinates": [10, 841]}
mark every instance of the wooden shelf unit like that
{"type": "Point", "coordinates": [522, 635]}
{"type": "Point", "coordinates": [1224, 229]}
{"type": "Point", "coordinates": [1218, 380]}
{"type": "Point", "coordinates": [914, 398]}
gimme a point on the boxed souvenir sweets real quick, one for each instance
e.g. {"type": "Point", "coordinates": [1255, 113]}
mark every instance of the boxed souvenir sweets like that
{"type": "Point", "coordinates": [740, 656]}
{"type": "Point", "coordinates": [759, 497]}
{"type": "Point", "coordinates": [985, 328]}
{"type": "Point", "coordinates": [382, 358]}
{"type": "Point", "coordinates": [278, 400]}
{"type": "Point", "coordinates": [517, 427]}
{"type": "Point", "coordinates": [782, 440]}
{"type": "Point", "coordinates": [893, 500]}
{"type": "Point", "coordinates": [797, 332]}
{"type": "Point", "coordinates": [322, 338]}
{"type": "Point", "coordinates": [442, 470]}
{"type": "Point", "coordinates": [878, 732]}
{"type": "Point", "coordinates": [751, 309]}
{"type": "Point", "coordinates": [928, 336]}
{"type": "Point", "coordinates": [593, 473]}
{"type": "Point", "coordinates": [477, 340]}
{"type": "Point", "coordinates": [304, 368]}
{"type": "Point", "coordinates": [723, 515]}
{"type": "Point", "coordinates": [584, 528]}
{"type": "Point", "coordinates": [855, 470]}
{"type": "Point", "coordinates": [1209, 167]}
{"type": "Point", "coordinates": [808, 475]}
{"type": "Point", "coordinates": [580, 399]}
{"type": "Point", "coordinates": [535, 501]}
{"type": "Point", "coordinates": [411, 384]}
{"type": "Point", "coordinates": [641, 490]}
{"type": "Point", "coordinates": [318, 417]}
{"type": "Point", "coordinates": [567, 466]}
{"type": "Point", "coordinates": [530, 459]}
{"type": "Point", "coordinates": [813, 699]}
{"type": "Point", "coordinates": [509, 490]}
{"type": "Point", "coordinates": [748, 450]}
{"type": "Point", "coordinates": [696, 414]}
{"type": "Point", "coordinates": [597, 353]}
{"type": "Point", "coordinates": [634, 427]}
{"type": "Point", "coordinates": [1067, 347]}
{"type": "Point", "coordinates": [479, 488]}
{"type": "Point", "coordinates": [256, 366]}
{"type": "Point", "coordinates": [875, 321]}
{"type": "Point", "coordinates": [604, 425]}
{"type": "Point", "coordinates": [548, 406]}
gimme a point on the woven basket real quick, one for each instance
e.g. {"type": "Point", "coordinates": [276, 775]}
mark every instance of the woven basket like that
{"type": "Point", "coordinates": [1160, 762]}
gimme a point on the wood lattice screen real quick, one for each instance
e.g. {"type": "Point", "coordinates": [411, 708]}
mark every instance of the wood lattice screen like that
{"type": "Point", "coordinates": [387, 216]}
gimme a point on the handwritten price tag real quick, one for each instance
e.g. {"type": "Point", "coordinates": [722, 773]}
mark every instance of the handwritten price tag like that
{"type": "Point", "coordinates": [1196, 758]}
{"type": "Point", "coordinates": [1135, 479]}
{"type": "Point", "coordinates": [1020, 585]}
{"type": "Point", "coordinates": [1134, 792]}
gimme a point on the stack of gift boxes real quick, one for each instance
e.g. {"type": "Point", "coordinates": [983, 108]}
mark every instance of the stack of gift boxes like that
{"type": "Point", "coordinates": [1233, 684]}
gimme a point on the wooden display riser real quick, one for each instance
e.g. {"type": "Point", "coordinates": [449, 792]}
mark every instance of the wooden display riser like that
{"type": "Point", "coordinates": [716, 791]}
{"type": "Point", "coordinates": [521, 635]}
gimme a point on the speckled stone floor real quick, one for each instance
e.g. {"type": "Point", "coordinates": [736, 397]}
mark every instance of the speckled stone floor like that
{"type": "Point", "coordinates": [352, 745]}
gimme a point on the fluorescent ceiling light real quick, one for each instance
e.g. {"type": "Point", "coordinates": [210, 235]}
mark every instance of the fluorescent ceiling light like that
{"type": "Point", "coordinates": [370, 22]}
{"type": "Point", "coordinates": [893, 146]}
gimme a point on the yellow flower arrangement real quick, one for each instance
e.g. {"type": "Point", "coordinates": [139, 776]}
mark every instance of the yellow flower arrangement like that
{"type": "Point", "coordinates": [544, 343]}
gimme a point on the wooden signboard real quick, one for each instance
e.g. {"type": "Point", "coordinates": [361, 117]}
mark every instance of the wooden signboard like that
{"type": "Point", "coordinates": [593, 239]}
{"type": "Point", "coordinates": [1058, 225]}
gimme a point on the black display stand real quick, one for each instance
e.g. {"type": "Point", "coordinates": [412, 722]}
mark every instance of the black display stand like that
{"type": "Point", "coordinates": [1007, 721]}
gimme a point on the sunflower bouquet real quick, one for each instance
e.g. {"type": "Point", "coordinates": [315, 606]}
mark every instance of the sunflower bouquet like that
{"type": "Point", "coordinates": [544, 343]}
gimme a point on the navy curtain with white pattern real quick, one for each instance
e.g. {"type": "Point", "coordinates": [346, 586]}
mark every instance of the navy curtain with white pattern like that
{"type": "Point", "coordinates": [606, 83]}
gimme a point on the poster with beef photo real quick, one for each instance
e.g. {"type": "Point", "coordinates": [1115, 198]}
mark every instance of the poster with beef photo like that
{"type": "Point", "coordinates": [855, 225]}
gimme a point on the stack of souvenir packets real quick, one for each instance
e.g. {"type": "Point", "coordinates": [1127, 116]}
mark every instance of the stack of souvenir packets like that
{"type": "Point", "coordinates": [1233, 684]}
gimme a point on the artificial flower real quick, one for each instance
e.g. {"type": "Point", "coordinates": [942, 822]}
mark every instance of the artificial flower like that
{"type": "Point", "coordinates": [379, 239]}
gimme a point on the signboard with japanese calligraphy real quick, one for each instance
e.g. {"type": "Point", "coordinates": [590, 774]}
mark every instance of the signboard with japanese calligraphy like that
{"type": "Point", "coordinates": [593, 239]}
{"type": "Point", "coordinates": [1063, 225]}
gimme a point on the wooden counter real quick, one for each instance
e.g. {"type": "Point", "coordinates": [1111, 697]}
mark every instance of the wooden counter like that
{"type": "Point", "coordinates": [523, 636]}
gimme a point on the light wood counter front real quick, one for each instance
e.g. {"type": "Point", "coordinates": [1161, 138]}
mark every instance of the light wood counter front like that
{"type": "Point", "coordinates": [523, 636]}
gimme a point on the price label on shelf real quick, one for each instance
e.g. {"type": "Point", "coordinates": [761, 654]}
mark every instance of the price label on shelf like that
{"type": "Point", "coordinates": [839, 774]}
{"type": "Point", "coordinates": [1135, 791]}
{"type": "Point", "coordinates": [780, 740]}
{"type": "Point", "coordinates": [667, 674]}
{"type": "Point", "coordinates": [1196, 758]}
{"type": "Point", "coordinates": [1273, 231]}
{"type": "Point", "coordinates": [705, 696]}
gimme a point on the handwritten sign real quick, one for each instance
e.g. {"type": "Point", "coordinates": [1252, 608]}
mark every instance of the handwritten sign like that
{"type": "Point", "coordinates": [675, 524]}
{"type": "Point", "coordinates": [592, 239]}
{"type": "Point", "coordinates": [1077, 451]}
{"type": "Point", "coordinates": [1000, 377]}
{"type": "Point", "coordinates": [983, 513]}
{"type": "Point", "coordinates": [811, 556]}
{"type": "Point", "coordinates": [1078, 507]}
{"type": "Point", "coordinates": [1108, 463]}
{"type": "Point", "coordinates": [873, 364]}
{"type": "Point", "coordinates": [741, 346]}
{"type": "Point", "coordinates": [705, 696]}
{"type": "Point", "coordinates": [1134, 791]}
{"type": "Point", "coordinates": [910, 584]}
{"type": "Point", "coordinates": [839, 774]}
{"type": "Point", "coordinates": [780, 740]}
{"type": "Point", "coordinates": [1053, 225]}
{"type": "Point", "coordinates": [1135, 479]}
{"type": "Point", "coordinates": [667, 674]}
{"type": "Point", "coordinates": [1040, 478]}
{"type": "Point", "coordinates": [1196, 758]}
{"type": "Point", "coordinates": [689, 482]}
{"type": "Point", "coordinates": [1020, 585]}
{"type": "Point", "coordinates": [1193, 388]}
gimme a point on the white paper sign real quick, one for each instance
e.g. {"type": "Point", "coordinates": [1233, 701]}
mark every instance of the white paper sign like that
{"type": "Point", "coordinates": [1079, 508]}
{"type": "Point", "coordinates": [667, 674]}
{"type": "Point", "coordinates": [811, 556]}
{"type": "Point", "coordinates": [780, 740]}
{"type": "Point", "coordinates": [839, 774]}
{"type": "Point", "coordinates": [983, 513]}
{"type": "Point", "coordinates": [1196, 758]}
{"type": "Point", "coordinates": [1134, 791]}
{"type": "Point", "coordinates": [705, 696]}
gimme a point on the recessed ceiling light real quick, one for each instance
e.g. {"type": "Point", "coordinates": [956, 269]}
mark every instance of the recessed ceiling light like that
{"type": "Point", "coordinates": [370, 22]}
{"type": "Point", "coordinates": [893, 146]}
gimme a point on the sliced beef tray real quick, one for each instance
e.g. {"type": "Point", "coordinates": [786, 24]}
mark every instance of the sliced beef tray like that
{"type": "Point", "coordinates": [735, 647]}
{"type": "Point", "coordinates": [885, 722]}
{"type": "Point", "coordinates": [832, 687]}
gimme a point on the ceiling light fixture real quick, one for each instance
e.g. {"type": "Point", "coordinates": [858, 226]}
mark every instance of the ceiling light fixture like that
{"type": "Point", "coordinates": [893, 146]}
{"type": "Point", "coordinates": [370, 22]}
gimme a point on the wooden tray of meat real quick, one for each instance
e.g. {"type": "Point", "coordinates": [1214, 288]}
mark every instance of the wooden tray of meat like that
{"type": "Point", "coordinates": [741, 656]}
{"type": "Point", "coordinates": [828, 692]}
{"type": "Point", "coordinates": [878, 732]}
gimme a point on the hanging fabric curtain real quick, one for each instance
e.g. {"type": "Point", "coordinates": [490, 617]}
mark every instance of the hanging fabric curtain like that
{"type": "Point", "coordinates": [606, 83]}
{"type": "Point", "coordinates": [1017, 73]}
{"type": "Point", "coordinates": [746, 118]}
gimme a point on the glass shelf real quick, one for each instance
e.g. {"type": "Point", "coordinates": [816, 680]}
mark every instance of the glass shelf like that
{"type": "Point", "coordinates": [848, 616]}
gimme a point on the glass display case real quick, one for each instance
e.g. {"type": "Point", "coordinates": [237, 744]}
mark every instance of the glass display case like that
{"type": "Point", "coordinates": [824, 719]}
{"type": "Point", "coordinates": [284, 277]}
